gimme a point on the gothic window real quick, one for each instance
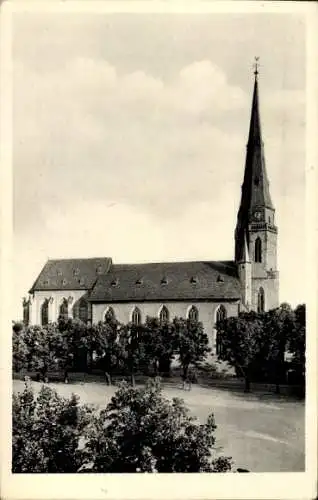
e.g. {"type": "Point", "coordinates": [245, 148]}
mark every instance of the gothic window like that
{"type": "Point", "coordinates": [261, 300]}
{"type": "Point", "coordinates": [136, 316]}
{"type": "Point", "coordinates": [221, 313]}
{"type": "Point", "coordinates": [64, 310]}
{"type": "Point", "coordinates": [220, 316]}
{"type": "Point", "coordinates": [83, 310]}
{"type": "Point", "coordinates": [193, 314]}
{"type": "Point", "coordinates": [164, 315]}
{"type": "Point", "coordinates": [109, 315]}
{"type": "Point", "coordinates": [45, 313]}
{"type": "Point", "coordinates": [258, 250]}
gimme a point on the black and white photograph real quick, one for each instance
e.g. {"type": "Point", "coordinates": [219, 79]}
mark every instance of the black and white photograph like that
{"type": "Point", "coordinates": [159, 284]}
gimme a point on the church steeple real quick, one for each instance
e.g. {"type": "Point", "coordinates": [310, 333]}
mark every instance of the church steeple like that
{"type": "Point", "coordinates": [256, 232]}
{"type": "Point", "coordinates": [255, 199]}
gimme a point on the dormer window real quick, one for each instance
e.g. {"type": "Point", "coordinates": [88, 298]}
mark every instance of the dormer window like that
{"type": "Point", "coordinates": [194, 280]}
{"type": "Point", "coordinates": [220, 279]}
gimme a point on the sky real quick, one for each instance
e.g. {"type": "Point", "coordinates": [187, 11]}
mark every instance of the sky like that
{"type": "Point", "coordinates": [130, 131]}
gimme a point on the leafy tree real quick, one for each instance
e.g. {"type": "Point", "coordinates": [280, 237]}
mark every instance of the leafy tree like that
{"type": "Point", "coordinates": [278, 325]}
{"type": "Point", "coordinates": [297, 342]}
{"type": "Point", "coordinates": [77, 336]}
{"type": "Point", "coordinates": [141, 431]}
{"type": "Point", "coordinates": [192, 343]}
{"type": "Point", "coordinates": [159, 344]}
{"type": "Point", "coordinates": [19, 350]}
{"type": "Point", "coordinates": [46, 431]}
{"type": "Point", "coordinates": [240, 339]}
{"type": "Point", "coordinates": [106, 343]}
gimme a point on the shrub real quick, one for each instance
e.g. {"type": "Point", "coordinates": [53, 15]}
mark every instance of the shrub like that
{"type": "Point", "coordinates": [46, 431]}
{"type": "Point", "coordinates": [142, 431]}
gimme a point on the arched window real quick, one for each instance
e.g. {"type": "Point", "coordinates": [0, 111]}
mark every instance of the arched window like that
{"type": "Point", "coordinates": [193, 313]}
{"type": "Point", "coordinates": [221, 313]}
{"type": "Point", "coordinates": [220, 316]}
{"type": "Point", "coordinates": [83, 310]}
{"type": "Point", "coordinates": [64, 309]}
{"type": "Point", "coordinates": [136, 316]}
{"type": "Point", "coordinates": [258, 250]}
{"type": "Point", "coordinates": [109, 315]}
{"type": "Point", "coordinates": [261, 300]}
{"type": "Point", "coordinates": [163, 315]}
{"type": "Point", "coordinates": [45, 313]}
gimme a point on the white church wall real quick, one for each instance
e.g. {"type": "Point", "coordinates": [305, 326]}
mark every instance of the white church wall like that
{"type": "Point", "coordinates": [55, 299]}
{"type": "Point", "coordinates": [207, 312]}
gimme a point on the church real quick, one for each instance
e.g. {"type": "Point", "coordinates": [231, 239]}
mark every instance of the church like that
{"type": "Point", "coordinates": [94, 289]}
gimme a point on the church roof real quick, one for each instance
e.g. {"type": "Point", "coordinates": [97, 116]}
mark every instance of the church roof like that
{"type": "Point", "coordinates": [71, 274]}
{"type": "Point", "coordinates": [168, 281]}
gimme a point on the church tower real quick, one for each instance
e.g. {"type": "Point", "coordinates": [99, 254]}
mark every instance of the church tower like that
{"type": "Point", "coordinates": [256, 232]}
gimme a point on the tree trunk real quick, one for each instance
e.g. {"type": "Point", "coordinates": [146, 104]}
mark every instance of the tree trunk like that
{"type": "Point", "coordinates": [247, 387]}
{"type": "Point", "coordinates": [155, 366]}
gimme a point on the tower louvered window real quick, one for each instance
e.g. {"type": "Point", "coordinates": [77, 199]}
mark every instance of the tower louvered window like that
{"type": "Point", "coordinates": [258, 250]}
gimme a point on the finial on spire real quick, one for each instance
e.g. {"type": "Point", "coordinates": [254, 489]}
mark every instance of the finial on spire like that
{"type": "Point", "coordinates": [256, 65]}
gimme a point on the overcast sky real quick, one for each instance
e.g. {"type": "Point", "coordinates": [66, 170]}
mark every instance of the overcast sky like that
{"type": "Point", "coordinates": [130, 135]}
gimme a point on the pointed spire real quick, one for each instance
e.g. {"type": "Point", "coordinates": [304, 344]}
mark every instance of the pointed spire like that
{"type": "Point", "coordinates": [255, 189]}
{"type": "Point", "coordinates": [256, 185]}
{"type": "Point", "coordinates": [255, 134]}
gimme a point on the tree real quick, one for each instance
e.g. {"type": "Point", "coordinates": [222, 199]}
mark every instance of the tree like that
{"type": "Point", "coordinates": [19, 350]}
{"type": "Point", "coordinates": [77, 337]}
{"type": "Point", "coordinates": [141, 431]}
{"type": "Point", "coordinates": [297, 343]}
{"type": "Point", "coordinates": [46, 430]}
{"type": "Point", "coordinates": [192, 343]}
{"type": "Point", "coordinates": [105, 339]}
{"type": "Point", "coordinates": [240, 339]}
{"type": "Point", "coordinates": [278, 324]}
{"type": "Point", "coordinates": [159, 344]}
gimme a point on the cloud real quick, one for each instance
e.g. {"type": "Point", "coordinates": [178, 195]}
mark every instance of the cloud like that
{"type": "Point", "coordinates": [120, 153]}
{"type": "Point", "coordinates": [86, 131]}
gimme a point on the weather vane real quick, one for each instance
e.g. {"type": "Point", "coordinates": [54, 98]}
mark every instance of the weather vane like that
{"type": "Point", "coordinates": [256, 66]}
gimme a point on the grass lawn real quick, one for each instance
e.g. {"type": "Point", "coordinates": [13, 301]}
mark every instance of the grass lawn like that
{"type": "Point", "coordinates": [261, 433]}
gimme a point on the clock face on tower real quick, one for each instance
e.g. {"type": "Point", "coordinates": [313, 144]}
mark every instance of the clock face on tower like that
{"type": "Point", "coordinates": [257, 215]}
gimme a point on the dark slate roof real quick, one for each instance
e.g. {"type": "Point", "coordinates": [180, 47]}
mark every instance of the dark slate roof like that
{"type": "Point", "coordinates": [71, 274]}
{"type": "Point", "coordinates": [168, 281]}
